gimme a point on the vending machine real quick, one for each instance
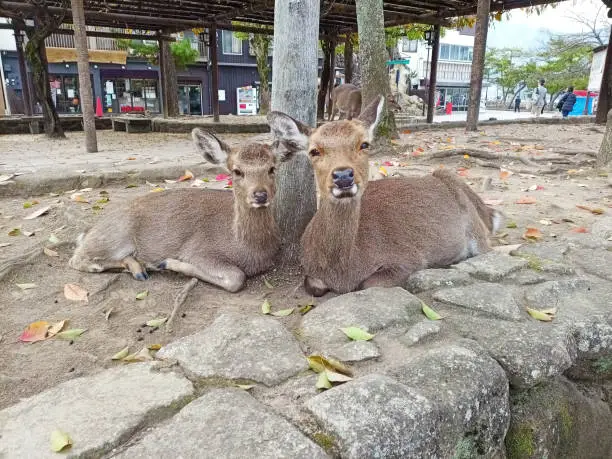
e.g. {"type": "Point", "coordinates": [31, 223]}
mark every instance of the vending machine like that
{"type": "Point", "coordinates": [246, 100]}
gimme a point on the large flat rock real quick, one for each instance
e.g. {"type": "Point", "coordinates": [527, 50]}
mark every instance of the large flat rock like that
{"type": "Point", "coordinates": [239, 347]}
{"type": "Point", "coordinates": [551, 251]}
{"type": "Point", "coordinates": [225, 423]}
{"type": "Point", "coordinates": [433, 279]}
{"type": "Point", "coordinates": [494, 299]}
{"type": "Point", "coordinates": [492, 266]}
{"type": "Point", "coordinates": [97, 412]}
{"type": "Point", "coordinates": [375, 416]}
{"type": "Point", "coordinates": [594, 261]}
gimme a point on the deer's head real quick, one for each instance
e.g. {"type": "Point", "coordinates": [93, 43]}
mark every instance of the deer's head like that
{"type": "Point", "coordinates": [253, 167]}
{"type": "Point", "coordinates": [338, 150]}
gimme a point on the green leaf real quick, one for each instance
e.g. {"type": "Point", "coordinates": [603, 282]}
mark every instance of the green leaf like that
{"type": "Point", "coordinates": [268, 284]}
{"type": "Point", "coordinates": [430, 313]}
{"type": "Point", "coordinates": [323, 382]}
{"type": "Point", "coordinates": [245, 386]}
{"type": "Point", "coordinates": [60, 440]}
{"type": "Point", "coordinates": [336, 377]}
{"type": "Point", "coordinates": [156, 323]}
{"type": "Point", "coordinates": [266, 307]}
{"type": "Point", "coordinates": [14, 232]}
{"type": "Point", "coordinates": [283, 312]}
{"type": "Point", "coordinates": [544, 316]}
{"type": "Point", "coordinates": [27, 205]}
{"type": "Point", "coordinates": [71, 333]}
{"type": "Point", "coordinates": [26, 286]}
{"type": "Point", "coordinates": [132, 185]}
{"type": "Point", "coordinates": [357, 334]}
{"type": "Point", "coordinates": [511, 225]}
{"type": "Point", "coordinates": [142, 295]}
{"type": "Point", "coordinates": [123, 353]}
{"type": "Point", "coordinates": [102, 201]}
{"type": "Point", "coordinates": [306, 308]}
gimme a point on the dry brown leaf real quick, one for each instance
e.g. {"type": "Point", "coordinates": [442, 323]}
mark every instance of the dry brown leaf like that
{"type": "Point", "coordinates": [532, 233]}
{"type": "Point", "coordinates": [56, 328]}
{"type": "Point", "coordinates": [527, 200]}
{"type": "Point", "coordinates": [73, 292]}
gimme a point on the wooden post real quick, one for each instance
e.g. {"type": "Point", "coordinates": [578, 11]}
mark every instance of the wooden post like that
{"type": "Point", "coordinates": [85, 93]}
{"type": "Point", "coordinates": [332, 71]}
{"type": "Point", "coordinates": [162, 79]}
{"type": "Point", "coordinates": [23, 70]}
{"type": "Point", "coordinates": [215, 73]}
{"type": "Point", "coordinates": [324, 80]}
{"type": "Point", "coordinates": [478, 62]}
{"type": "Point", "coordinates": [605, 97]}
{"type": "Point", "coordinates": [433, 75]}
{"type": "Point", "coordinates": [348, 58]}
{"type": "Point", "coordinates": [170, 80]}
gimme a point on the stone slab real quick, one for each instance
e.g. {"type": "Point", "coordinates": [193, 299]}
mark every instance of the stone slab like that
{"type": "Point", "coordinates": [98, 412]}
{"type": "Point", "coordinates": [492, 266]}
{"type": "Point", "coordinates": [552, 251]}
{"type": "Point", "coordinates": [433, 279]}
{"type": "Point", "coordinates": [240, 347]}
{"type": "Point", "coordinates": [420, 332]}
{"type": "Point", "coordinates": [594, 261]}
{"type": "Point", "coordinates": [225, 423]}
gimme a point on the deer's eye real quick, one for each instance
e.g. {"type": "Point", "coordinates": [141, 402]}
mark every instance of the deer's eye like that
{"type": "Point", "coordinates": [272, 170]}
{"type": "Point", "coordinates": [237, 173]}
{"type": "Point", "coordinates": [364, 146]}
{"type": "Point", "coordinates": [314, 152]}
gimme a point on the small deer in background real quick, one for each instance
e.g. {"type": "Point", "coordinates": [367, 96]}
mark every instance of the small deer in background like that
{"type": "Point", "coordinates": [217, 236]}
{"type": "Point", "coordinates": [377, 234]}
{"type": "Point", "coordinates": [346, 99]}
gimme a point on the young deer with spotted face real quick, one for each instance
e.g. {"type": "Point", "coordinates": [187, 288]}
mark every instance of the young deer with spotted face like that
{"type": "Point", "coordinates": [378, 233]}
{"type": "Point", "coordinates": [219, 237]}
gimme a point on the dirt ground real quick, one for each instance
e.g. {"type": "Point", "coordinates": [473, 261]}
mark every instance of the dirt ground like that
{"type": "Point", "coordinates": [550, 165]}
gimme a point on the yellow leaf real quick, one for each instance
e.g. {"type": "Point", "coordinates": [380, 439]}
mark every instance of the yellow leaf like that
{"type": "Point", "coordinates": [245, 386]}
{"type": "Point", "coordinates": [14, 232]}
{"type": "Point", "coordinates": [323, 382]}
{"type": "Point", "coordinates": [283, 312]}
{"type": "Point", "coordinates": [318, 364]}
{"type": "Point", "coordinates": [60, 440]}
{"type": "Point", "coordinates": [383, 171]}
{"type": "Point", "coordinates": [50, 253]}
{"type": "Point", "coordinates": [56, 328]}
{"type": "Point", "coordinates": [157, 190]}
{"type": "Point", "coordinates": [541, 315]}
{"type": "Point", "coordinates": [156, 323]}
{"type": "Point", "coordinates": [26, 286]}
{"type": "Point", "coordinates": [141, 356]}
{"type": "Point", "coordinates": [142, 295]}
{"type": "Point", "coordinates": [466, 156]}
{"type": "Point", "coordinates": [71, 334]}
{"type": "Point", "coordinates": [123, 353]}
{"type": "Point", "coordinates": [266, 307]}
{"type": "Point", "coordinates": [73, 292]}
{"type": "Point", "coordinates": [430, 313]}
{"type": "Point", "coordinates": [154, 347]}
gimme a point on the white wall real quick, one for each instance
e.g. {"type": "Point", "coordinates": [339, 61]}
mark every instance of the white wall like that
{"type": "Point", "coordinates": [7, 40]}
{"type": "Point", "coordinates": [597, 67]}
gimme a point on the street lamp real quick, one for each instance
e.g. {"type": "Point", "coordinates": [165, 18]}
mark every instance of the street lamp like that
{"type": "Point", "coordinates": [429, 38]}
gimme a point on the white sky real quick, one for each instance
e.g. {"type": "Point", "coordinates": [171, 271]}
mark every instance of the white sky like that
{"type": "Point", "coordinates": [524, 31]}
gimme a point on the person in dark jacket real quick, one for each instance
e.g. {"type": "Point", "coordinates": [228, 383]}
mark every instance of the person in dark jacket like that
{"type": "Point", "coordinates": [567, 102]}
{"type": "Point", "coordinates": [517, 104]}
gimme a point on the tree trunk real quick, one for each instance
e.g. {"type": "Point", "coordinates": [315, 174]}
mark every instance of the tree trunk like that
{"type": "Point", "coordinates": [433, 76]}
{"type": "Point", "coordinates": [605, 93]}
{"type": "Point", "coordinates": [170, 79]}
{"type": "Point", "coordinates": [260, 44]}
{"type": "Point", "coordinates": [604, 157]}
{"type": "Point", "coordinates": [294, 88]}
{"type": "Point", "coordinates": [348, 58]}
{"type": "Point", "coordinates": [23, 71]}
{"type": "Point", "coordinates": [37, 58]}
{"type": "Point", "coordinates": [478, 62]}
{"type": "Point", "coordinates": [324, 84]}
{"type": "Point", "coordinates": [553, 99]}
{"type": "Point", "coordinates": [332, 72]}
{"type": "Point", "coordinates": [373, 61]}
{"type": "Point", "coordinates": [85, 93]}
{"type": "Point", "coordinates": [510, 105]}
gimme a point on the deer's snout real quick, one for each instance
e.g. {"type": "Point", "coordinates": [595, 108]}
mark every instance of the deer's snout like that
{"type": "Point", "coordinates": [260, 197]}
{"type": "Point", "coordinates": [343, 178]}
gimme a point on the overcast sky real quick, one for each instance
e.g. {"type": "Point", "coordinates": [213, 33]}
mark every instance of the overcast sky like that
{"type": "Point", "coordinates": [524, 31]}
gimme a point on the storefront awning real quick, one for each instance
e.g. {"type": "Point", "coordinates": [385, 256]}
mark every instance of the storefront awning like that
{"type": "Point", "coordinates": [59, 55]}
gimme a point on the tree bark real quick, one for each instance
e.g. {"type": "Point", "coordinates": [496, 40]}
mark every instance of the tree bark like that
{"type": "Point", "coordinates": [170, 79]}
{"type": "Point", "coordinates": [511, 104]}
{"type": "Point", "coordinates": [604, 157]}
{"type": "Point", "coordinates": [85, 93]}
{"type": "Point", "coordinates": [433, 75]}
{"type": "Point", "coordinates": [294, 88]}
{"type": "Point", "coordinates": [214, 69]}
{"type": "Point", "coordinates": [324, 84]}
{"type": "Point", "coordinates": [260, 44]}
{"type": "Point", "coordinates": [372, 61]}
{"type": "Point", "coordinates": [332, 72]}
{"type": "Point", "coordinates": [23, 70]}
{"type": "Point", "coordinates": [348, 58]}
{"type": "Point", "coordinates": [605, 93]}
{"type": "Point", "coordinates": [478, 62]}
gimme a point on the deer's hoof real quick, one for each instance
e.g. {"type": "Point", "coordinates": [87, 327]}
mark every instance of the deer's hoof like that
{"type": "Point", "coordinates": [315, 287]}
{"type": "Point", "coordinates": [162, 265]}
{"type": "Point", "coordinates": [141, 276]}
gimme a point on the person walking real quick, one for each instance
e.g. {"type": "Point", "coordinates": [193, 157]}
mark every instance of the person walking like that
{"type": "Point", "coordinates": [539, 99]}
{"type": "Point", "coordinates": [517, 104]}
{"type": "Point", "coordinates": [567, 102]}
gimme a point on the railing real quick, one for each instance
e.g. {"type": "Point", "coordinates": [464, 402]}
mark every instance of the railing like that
{"type": "Point", "coordinates": [203, 50]}
{"type": "Point", "coordinates": [58, 40]}
{"type": "Point", "coordinates": [453, 71]}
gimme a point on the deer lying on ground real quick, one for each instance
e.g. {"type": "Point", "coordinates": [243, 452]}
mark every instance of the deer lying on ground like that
{"type": "Point", "coordinates": [217, 236]}
{"type": "Point", "coordinates": [346, 99]}
{"type": "Point", "coordinates": [377, 234]}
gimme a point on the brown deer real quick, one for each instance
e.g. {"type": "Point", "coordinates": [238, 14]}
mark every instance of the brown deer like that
{"type": "Point", "coordinates": [346, 99]}
{"type": "Point", "coordinates": [217, 236]}
{"type": "Point", "coordinates": [377, 234]}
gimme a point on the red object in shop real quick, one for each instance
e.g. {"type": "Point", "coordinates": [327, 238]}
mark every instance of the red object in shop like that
{"type": "Point", "coordinates": [98, 107]}
{"type": "Point", "coordinates": [449, 108]}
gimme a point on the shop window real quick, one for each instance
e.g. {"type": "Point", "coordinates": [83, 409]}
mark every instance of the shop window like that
{"type": "Point", "coordinates": [230, 44]}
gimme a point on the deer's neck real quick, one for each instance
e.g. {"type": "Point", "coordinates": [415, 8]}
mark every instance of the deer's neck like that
{"type": "Point", "coordinates": [255, 227]}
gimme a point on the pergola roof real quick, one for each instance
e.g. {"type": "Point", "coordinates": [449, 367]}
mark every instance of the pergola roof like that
{"type": "Point", "coordinates": [336, 15]}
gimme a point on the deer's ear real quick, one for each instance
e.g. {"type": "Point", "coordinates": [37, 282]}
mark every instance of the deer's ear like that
{"type": "Point", "coordinates": [214, 150]}
{"type": "Point", "coordinates": [290, 136]}
{"type": "Point", "coordinates": [371, 115]}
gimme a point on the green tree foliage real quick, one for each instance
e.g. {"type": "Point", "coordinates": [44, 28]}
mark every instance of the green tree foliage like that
{"type": "Point", "coordinates": [182, 51]}
{"type": "Point", "coordinates": [510, 69]}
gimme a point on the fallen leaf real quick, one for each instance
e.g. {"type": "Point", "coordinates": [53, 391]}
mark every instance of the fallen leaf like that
{"type": "Point", "coordinates": [157, 190]}
{"type": "Point", "coordinates": [170, 181]}
{"type": "Point", "coordinates": [108, 313]}
{"type": "Point", "coordinates": [332, 376]}
{"type": "Point", "coordinates": [71, 334]}
{"type": "Point", "coordinates": [268, 284]}
{"type": "Point", "coordinates": [131, 158]}
{"type": "Point", "coordinates": [579, 229]}
{"type": "Point", "coordinates": [73, 292]}
{"type": "Point", "coordinates": [142, 295]}
{"type": "Point", "coordinates": [53, 239]}
{"type": "Point", "coordinates": [493, 202]}
{"type": "Point", "coordinates": [14, 232]}
{"type": "Point", "coordinates": [532, 233]}
{"type": "Point", "coordinates": [546, 222]}
{"type": "Point", "coordinates": [4, 178]}
{"type": "Point", "coordinates": [155, 323]}
{"type": "Point", "coordinates": [28, 233]}
{"type": "Point", "coordinates": [266, 307]}
{"type": "Point", "coordinates": [283, 312]}
{"type": "Point", "coordinates": [306, 308]}
{"type": "Point", "coordinates": [387, 163]}
{"type": "Point", "coordinates": [56, 328]}
{"type": "Point", "coordinates": [123, 353]}
{"type": "Point", "coordinates": [27, 204]}
{"type": "Point", "coordinates": [430, 313]}
{"type": "Point", "coordinates": [540, 315]}
{"type": "Point", "coordinates": [187, 176]}
{"type": "Point", "coordinates": [318, 364]}
{"type": "Point", "coordinates": [60, 440]}
{"type": "Point", "coordinates": [245, 386]}
{"type": "Point", "coordinates": [102, 201]}
{"type": "Point", "coordinates": [85, 190]}
{"type": "Point", "coordinates": [466, 156]}
{"type": "Point", "coordinates": [38, 213]}
{"type": "Point", "coordinates": [132, 185]}
{"type": "Point", "coordinates": [221, 177]}
{"type": "Point", "coordinates": [323, 382]}
{"type": "Point", "coordinates": [141, 356]}
{"type": "Point", "coordinates": [50, 253]}
{"type": "Point", "coordinates": [597, 211]}
{"type": "Point", "coordinates": [549, 311]}
{"type": "Point", "coordinates": [78, 197]}
{"type": "Point", "coordinates": [527, 200]}
{"type": "Point", "coordinates": [154, 347]}
{"type": "Point", "coordinates": [357, 334]}
{"type": "Point", "coordinates": [504, 174]}
{"type": "Point", "coordinates": [26, 286]}
{"type": "Point", "coordinates": [5, 244]}
{"type": "Point", "coordinates": [36, 331]}
{"type": "Point", "coordinates": [383, 171]}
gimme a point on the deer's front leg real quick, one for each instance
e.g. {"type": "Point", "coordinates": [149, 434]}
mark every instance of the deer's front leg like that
{"type": "Point", "coordinates": [314, 286]}
{"type": "Point", "coordinates": [224, 275]}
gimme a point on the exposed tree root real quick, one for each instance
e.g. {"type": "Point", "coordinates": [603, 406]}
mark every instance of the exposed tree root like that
{"type": "Point", "coordinates": [179, 300]}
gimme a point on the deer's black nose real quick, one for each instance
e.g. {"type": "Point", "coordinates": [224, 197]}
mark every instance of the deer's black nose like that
{"type": "Point", "coordinates": [261, 197]}
{"type": "Point", "coordinates": [343, 178]}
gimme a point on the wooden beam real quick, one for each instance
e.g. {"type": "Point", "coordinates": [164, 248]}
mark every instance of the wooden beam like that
{"type": "Point", "coordinates": [215, 74]}
{"type": "Point", "coordinates": [433, 75]}
{"type": "Point", "coordinates": [478, 62]}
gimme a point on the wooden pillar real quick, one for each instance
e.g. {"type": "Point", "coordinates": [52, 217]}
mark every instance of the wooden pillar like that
{"type": "Point", "coordinates": [433, 75]}
{"type": "Point", "coordinates": [170, 80]}
{"type": "Point", "coordinates": [478, 62]}
{"type": "Point", "coordinates": [348, 58]}
{"type": "Point", "coordinates": [332, 71]}
{"type": "Point", "coordinates": [324, 80]}
{"type": "Point", "coordinates": [23, 71]}
{"type": "Point", "coordinates": [604, 103]}
{"type": "Point", "coordinates": [215, 74]}
{"type": "Point", "coordinates": [162, 79]}
{"type": "Point", "coordinates": [85, 92]}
